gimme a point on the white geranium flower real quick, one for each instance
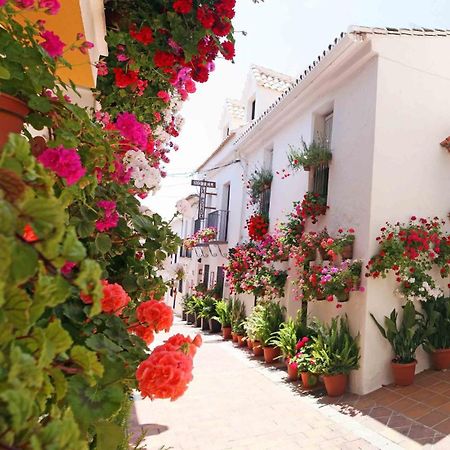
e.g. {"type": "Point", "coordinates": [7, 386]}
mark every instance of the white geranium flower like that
{"type": "Point", "coordinates": [141, 172]}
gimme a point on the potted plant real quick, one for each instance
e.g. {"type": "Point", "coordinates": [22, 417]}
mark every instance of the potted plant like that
{"type": "Point", "coordinates": [313, 205]}
{"type": "Point", "coordinates": [341, 245]}
{"type": "Point", "coordinates": [208, 311]}
{"type": "Point", "coordinates": [304, 362]}
{"type": "Point", "coordinates": [237, 319]}
{"type": "Point", "coordinates": [259, 182]}
{"type": "Point", "coordinates": [404, 339]}
{"type": "Point", "coordinates": [198, 308]}
{"type": "Point", "coordinates": [189, 305]}
{"type": "Point", "coordinates": [268, 321]}
{"type": "Point", "coordinates": [309, 156]}
{"type": "Point", "coordinates": [223, 316]}
{"type": "Point", "coordinates": [340, 281]}
{"type": "Point", "coordinates": [336, 353]}
{"type": "Point", "coordinates": [437, 331]}
{"type": "Point", "coordinates": [251, 325]}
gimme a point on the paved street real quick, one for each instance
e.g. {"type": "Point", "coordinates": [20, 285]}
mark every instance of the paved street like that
{"type": "Point", "coordinates": [237, 402]}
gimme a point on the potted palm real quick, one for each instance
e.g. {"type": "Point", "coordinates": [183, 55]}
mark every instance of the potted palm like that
{"type": "Point", "coordinates": [404, 340]}
{"type": "Point", "coordinates": [336, 353]}
{"type": "Point", "coordinates": [197, 308]}
{"type": "Point", "coordinates": [268, 321]}
{"type": "Point", "coordinates": [437, 331]}
{"type": "Point", "coordinates": [208, 311]}
{"type": "Point", "coordinates": [223, 316]}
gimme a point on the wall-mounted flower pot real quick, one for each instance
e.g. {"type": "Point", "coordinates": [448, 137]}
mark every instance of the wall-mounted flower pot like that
{"type": "Point", "coordinates": [270, 353]}
{"type": "Point", "coordinates": [250, 343]}
{"type": "Point", "coordinates": [403, 373]}
{"type": "Point", "coordinates": [335, 384]}
{"type": "Point", "coordinates": [320, 297]}
{"type": "Point", "coordinates": [241, 340]}
{"type": "Point", "coordinates": [309, 380]}
{"type": "Point", "coordinates": [214, 326]}
{"type": "Point", "coordinates": [226, 333]}
{"type": "Point", "coordinates": [12, 115]}
{"type": "Point", "coordinates": [306, 168]}
{"type": "Point", "coordinates": [234, 336]}
{"type": "Point", "coordinates": [347, 252]}
{"type": "Point", "coordinates": [292, 372]}
{"type": "Point", "coordinates": [441, 359]}
{"type": "Point", "coordinates": [205, 324]}
{"type": "Point", "coordinates": [257, 348]}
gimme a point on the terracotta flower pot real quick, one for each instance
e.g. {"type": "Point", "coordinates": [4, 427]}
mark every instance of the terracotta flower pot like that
{"type": "Point", "coordinates": [12, 115]}
{"type": "Point", "coordinates": [214, 326]}
{"type": "Point", "coordinates": [441, 359]}
{"type": "Point", "coordinates": [250, 343]}
{"type": "Point", "coordinates": [234, 337]}
{"type": "Point", "coordinates": [335, 384]}
{"type": "Point", "coordinates": [403, 373]}
{"type": "Point", "coordinates": [309, 380]}
{"type": "Point", "coordinates": [226, 333]}
{"type": "Point", "coordinates": [292, 372]}
{"type": "Point", "coordinates": [270, 353]}
{"type": "Point", "coordinates": [257, 348]}
{"type": "Point", "coordinates": [342, 296]}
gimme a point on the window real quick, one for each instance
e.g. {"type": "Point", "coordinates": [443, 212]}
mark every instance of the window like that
{"type": "Point", "coordinates": [180, 286]}
{"type": "Point", "coordinates": [320, 174]}
{"type": "Point", "coordinates": [206, 276]}
{"type": "Point", "coordinates": [253, 114]}
{"type": "Point", "coordinates": [220, 280]}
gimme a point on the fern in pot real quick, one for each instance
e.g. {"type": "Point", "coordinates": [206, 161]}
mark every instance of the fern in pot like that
{"type": "Point", "coordinates": [268, 321]}
{"type": "Point", "coordinates": [404, 338]}
{"type": "Point", "coordinates": [336, 354]}
{"type": "Point", "coordinates": [223, 316]}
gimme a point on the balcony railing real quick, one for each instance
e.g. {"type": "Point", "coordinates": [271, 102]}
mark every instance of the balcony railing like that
{"type": "Point", "coordinates": [218, 220]}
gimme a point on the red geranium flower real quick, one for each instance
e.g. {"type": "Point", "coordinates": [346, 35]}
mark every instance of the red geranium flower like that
{"type": "Point", "coordinates": [182, 6]}
{"type": "Point", "coordinates": [156, 314]}
{"type": "Point", "coordinates": [125, 79]}
{"type": "Point", "coordinates": [145, 35]}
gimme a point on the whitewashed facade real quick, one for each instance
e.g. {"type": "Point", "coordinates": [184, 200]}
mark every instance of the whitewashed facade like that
{"type": "Point", "coordinates": [381, 97]}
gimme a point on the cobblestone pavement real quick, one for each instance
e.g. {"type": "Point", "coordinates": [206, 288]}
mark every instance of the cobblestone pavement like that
{"type": "Point", "coordinates": [237, 402]}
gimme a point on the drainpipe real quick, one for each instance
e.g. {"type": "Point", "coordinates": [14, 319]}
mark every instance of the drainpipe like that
{"type": "Point", "coordinates": [244, 164]}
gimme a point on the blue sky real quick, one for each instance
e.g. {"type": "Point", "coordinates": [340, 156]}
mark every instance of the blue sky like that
{"type": "Point", "coordinates": [284, 35]}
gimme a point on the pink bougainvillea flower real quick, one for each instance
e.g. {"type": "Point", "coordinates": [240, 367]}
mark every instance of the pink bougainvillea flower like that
{"type": "Point", "coordinates": [131, 129]}
{"type": "Point", "coordinates": [110, 216]}
{"type": "Point", "coordinates": [65, 162]}
{"type": "Point", "coordinates": [51, 6]}
{"type": "Point", "coordinates": [52, 44]}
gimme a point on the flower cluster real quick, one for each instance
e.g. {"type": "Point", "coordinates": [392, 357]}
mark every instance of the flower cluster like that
{"type": "Point", "coordinates": [114, 299]}
{"type": "Point", "coordinates": [65, 162]}
{"type": "Point", "coordinates": [110, 217]}
{"type": "Point", "coordinates": [167, 372]}
{"type": "Point", "coordinates": [202, 236]}
{"type": "Point", "coordinates": [340, 245]}
{"type": "Point", "coordinates": [312, 205]}
{"type": "Point", "coordinates": [257, 226]}
{"type": "Point", "coordinates": [410, 251]}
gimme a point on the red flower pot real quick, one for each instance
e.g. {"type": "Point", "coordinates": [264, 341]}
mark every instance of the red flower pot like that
{"type": "Point", "coordinates": [226, 333]}
{"type": "Point", "coordinates": [292, 372]}
{"type": "Point", "coordinates": [270, 353]}
{"type": "Point", "coordinates": [309, 380]}
{"type": "Point", "coordinates": [12, 115]}
{"type": "Point", "coordinates": [234, 337]}
{"type": "Point", "coordinates": [257, 349]}
{"type": "Point", "coordinates": [335, 384]}
{"type": "Point", "coordinates": [441, 359]}
{"type": "Point", "coordinates": [250, 343]}
{"type": "Point", "coordinates": [241, 340]}
{"type": "Point", "coordinates": [403, 373]}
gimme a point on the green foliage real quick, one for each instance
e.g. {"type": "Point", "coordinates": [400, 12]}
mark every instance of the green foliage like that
{"type": "Point", "coordinates": [208, 307]}
{"type": "Point", "coordinates": [436, 323]}
{"type": "Point", "coordinates": [259, 182]}
{"type": "Point", "coordinates": [267, 318]}
{"type": "Point", "coordinates": [406, 337]}
{"type": "Point", "coordinates": [309, 156]}
{"type": "Point", "coordinates": [334, 349]}
{"type": "Point", "coordinates": [288, 335]}
{"type": "Point", "coordinates": [237, 316]}
{"type": "Point", "coordinates": [224, 312]}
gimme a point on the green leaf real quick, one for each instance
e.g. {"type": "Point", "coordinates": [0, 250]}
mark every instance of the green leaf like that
{"type": "Point", "coordinates": [59, 382]}
{"type": "Point", "coordinates": [19, 404]}
{"type": "Point", "coordinates": [39, 103]}
{"type": "Point", "coordinates": [73, 250]}
{"type": "Point", "coordinates": [16, 307]}
{"type": "Point", "coordinates": [91, 404]}
{"type": "Point", "coordinates": [87, 360]}
{"type": "Point", "coordinates": [103, 243]}
{"type": "Point", "coordinates": [45, 213]}
{"type": "Point", "coordinates": [88, 281]}
{"type": "Point", "coordinates": [4, 73]}
{"type": "Point", "coordinates": [109, 435]}
{"type": "Point", "coordinates": [24, 260]}
{"type": "Point", "coordinates": [100, 343]}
